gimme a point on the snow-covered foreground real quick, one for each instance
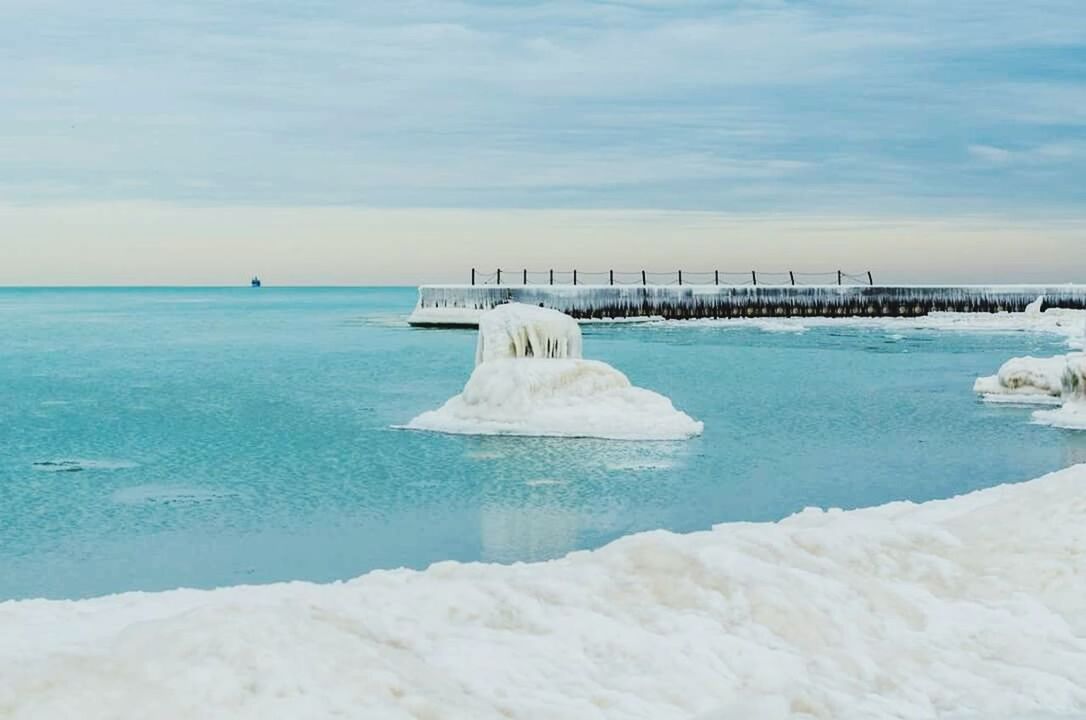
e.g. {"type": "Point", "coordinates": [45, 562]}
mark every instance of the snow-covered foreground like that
{"type": "Point", "coordinates": [969, 607]}
{"type": "Point", "coordinates": [530, 379]}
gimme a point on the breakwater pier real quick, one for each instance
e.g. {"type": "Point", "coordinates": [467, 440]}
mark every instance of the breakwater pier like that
{"type": "Point", "coordinates": [461, 305]}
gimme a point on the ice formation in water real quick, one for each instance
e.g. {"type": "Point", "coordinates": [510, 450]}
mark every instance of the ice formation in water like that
{"type": "Point", "coordinates": [970, 607]}
{"type": "Point", "coordinates": [530, 379]}
{"type": "Point", "coordinates": [1025, 380]}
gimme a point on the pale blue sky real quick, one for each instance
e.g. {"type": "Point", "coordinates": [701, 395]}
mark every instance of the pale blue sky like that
{"type": "Point", "coordinates": [910, 112]}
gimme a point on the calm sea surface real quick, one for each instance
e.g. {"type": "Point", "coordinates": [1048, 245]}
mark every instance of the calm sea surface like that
{"type": "Point", "coordinates": [156, 438]}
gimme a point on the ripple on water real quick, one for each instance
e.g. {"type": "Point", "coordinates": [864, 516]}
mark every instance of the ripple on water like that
{"type": "Point", "coordinates": [544, 481]}
{"type": "Point", "coordinates": [636, 465]}
{"type": "Point", "coordinates": [169, 495]}
{"type": "Point", "coordinates": [484, 454]}
{"type": "Point", "coordinates": [75, 465]}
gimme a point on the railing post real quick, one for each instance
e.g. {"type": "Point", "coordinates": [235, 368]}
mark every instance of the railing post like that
{"type": "Point", "coordinates": [792, 278]}
{"type": "Point", "coordinates": [716, 277]}
{"type": "Point", "coordinates": [574, 277]}
{"type": "Point", "coordinates": [754, 277]}
{"type": "Point", "coordinates": [525, 276]}
{"type": "Point", "coordinates": [552, 276]}
{"type": "Point", "coordinates": [870, 280]}
{"type": "Point", "coordinates": [838, 277]}
{"type": "Point", "coordinates": [612, 276]}
{"type": "Point", "coordinates": [680, 277]}
{"type": "Point", "coordinates": [643, 282]}
{"type": "Point", "coordinates": [473, 276]}
{"type": "Point", "coordinates": [499, 276]}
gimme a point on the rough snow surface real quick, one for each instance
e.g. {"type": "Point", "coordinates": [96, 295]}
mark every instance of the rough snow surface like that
{"type": "Point", "coordinates": [529, 379]}
{"type": "Point", "coordinates": [571, 398]}
{"type": "Point", "coordinates": [970, 607]}
{"type": "Point", "coordinates": [515, 330]}
{"type": "Point", "coordinates": [1025, 379]}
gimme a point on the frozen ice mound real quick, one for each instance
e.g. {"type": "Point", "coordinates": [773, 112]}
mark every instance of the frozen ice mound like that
{"type": "Point", "coordinates": [570, 398]}
{"type": "Point", "coordinates": [1025, 379]}
{"type": "Point", "coordinates": [530, 379]}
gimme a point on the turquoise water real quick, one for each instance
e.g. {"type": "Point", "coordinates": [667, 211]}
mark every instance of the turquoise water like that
{"type": "Point", "coordinates": [156, 438]}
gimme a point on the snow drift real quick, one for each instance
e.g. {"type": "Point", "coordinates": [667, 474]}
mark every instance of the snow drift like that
{"type": "Point", "coordinates": [530, 379]}
{"type": "Point", "coordinates": [970, 607]}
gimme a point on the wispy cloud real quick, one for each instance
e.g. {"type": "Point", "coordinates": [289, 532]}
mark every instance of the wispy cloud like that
{"type": "Point", "coordinates": [750, 105]}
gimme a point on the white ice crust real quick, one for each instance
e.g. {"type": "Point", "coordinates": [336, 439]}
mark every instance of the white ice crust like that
{"type": "Point", "coordinates": [530, 379]}
{"type": "Point", "coordinates": [970, 607]}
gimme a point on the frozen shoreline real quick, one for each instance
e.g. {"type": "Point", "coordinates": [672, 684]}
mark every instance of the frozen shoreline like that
{"type": "Point", "coordinates": [973, 605]}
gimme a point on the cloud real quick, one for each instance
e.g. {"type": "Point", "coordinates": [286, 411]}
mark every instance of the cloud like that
{"type": "Point", "coordinates": [1045, 154]}
{"type": "Point", "coordinates": [746, 105]}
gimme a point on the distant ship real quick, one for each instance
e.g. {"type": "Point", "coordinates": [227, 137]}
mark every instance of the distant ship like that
{"type": "Point", "coordinates": [255, 282]}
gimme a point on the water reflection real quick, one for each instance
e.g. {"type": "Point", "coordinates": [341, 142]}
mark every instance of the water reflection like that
{"type": "Point", "coordinates": [534, 533]}
{"type": "Point", "coordinates": [588, 491]}
{"type": "Point", "coordinates": [1075, 449]}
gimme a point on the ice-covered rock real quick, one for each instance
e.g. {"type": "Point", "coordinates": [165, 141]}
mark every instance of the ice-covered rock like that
{"type": "Point", "coordinates": [1025, 379]}
{"type": "Point", "coordinates": [1072, 413]}
{"type": "Point", "coordinates": [530, 379]}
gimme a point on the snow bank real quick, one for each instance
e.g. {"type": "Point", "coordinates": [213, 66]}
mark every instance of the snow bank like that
{"type": "Point", "coordinates": [1072, 414]}
{"type": "Point", "coordinates": [974, 606]}
{"type": "Point", "coordinates": [529, 379]}
{"type": "Point", "coordinates": [1025, 379]}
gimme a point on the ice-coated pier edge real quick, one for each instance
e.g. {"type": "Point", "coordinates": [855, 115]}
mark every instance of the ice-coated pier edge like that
{"type": "Point", "coordinates": [461, 305]}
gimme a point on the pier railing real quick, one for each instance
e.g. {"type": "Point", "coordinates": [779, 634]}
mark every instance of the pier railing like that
{"type": "Point", "coordinates": [676, 277]}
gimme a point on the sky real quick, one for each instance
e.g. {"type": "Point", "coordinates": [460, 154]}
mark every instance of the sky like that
{"type": "Point", "coordinates": [337, 142]}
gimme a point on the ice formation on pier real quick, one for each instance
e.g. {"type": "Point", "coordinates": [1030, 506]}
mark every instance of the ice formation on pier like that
{"type": "Point", "coordinates": [530, 379]}
{"type": "Point", "coordinates": [970, 607]}
{"type": "Point", "coordinates": [1025, 380]}
{"type": "Point", "coordinates": [464, 304]}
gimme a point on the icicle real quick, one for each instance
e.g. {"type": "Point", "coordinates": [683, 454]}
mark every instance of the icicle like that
{"type": "Point", "coordinates": [515, 330]}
